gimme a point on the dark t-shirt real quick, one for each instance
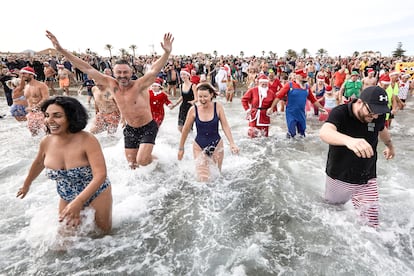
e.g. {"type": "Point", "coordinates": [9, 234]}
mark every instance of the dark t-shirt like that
{"type": "Point", "coordinates": [342, 163]}
{"type": "Point", "coordinates": [88, 84]}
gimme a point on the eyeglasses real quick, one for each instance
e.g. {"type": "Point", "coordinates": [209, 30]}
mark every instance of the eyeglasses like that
{"type": "Point", "coordinates": [370, 113]}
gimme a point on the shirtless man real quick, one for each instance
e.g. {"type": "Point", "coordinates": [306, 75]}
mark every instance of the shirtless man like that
{"type": "Point", "coordinates": [132, 98]}
{"type": "Point", "coordinates": [35, 92]}
{"type": "Point", "coordinates": [369, 80]}
{"type": "Point", "coordinates": [64, 81]}
{"type": "Point", "coordinates": [49, 76]}
{"type": "Point", "coordinates": [18, 108]}
{"type": "Point", "coordinates": [108, 71]}
{"type": "Point", "coordinates": [311, 70]}
{"type": "Point", "coordinates": [107, 113]}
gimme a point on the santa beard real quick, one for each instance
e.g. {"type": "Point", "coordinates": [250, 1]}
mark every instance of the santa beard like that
{"type": "Point", "coordinates": [263, 91]}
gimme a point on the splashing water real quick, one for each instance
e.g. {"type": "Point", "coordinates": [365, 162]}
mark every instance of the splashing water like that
{"type": "Point", "coordinates": [263, 215]}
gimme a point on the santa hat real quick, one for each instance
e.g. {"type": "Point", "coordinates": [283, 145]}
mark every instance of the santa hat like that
{"type": "Point", "coordinates": [262, 78]}
{"type": "Point", "coordinates": [370, 70]}
{"type": "Point", "coordinates": [393, 73]}
{"type": "Point", "coordinates": [328, 88]}
{"type": "Point", "coordinates": [184, 71]}
{"type": "Point", "coordinates": [28, 70]}
{"type": "Point", "coordinates": [385, 79]}
{"type": "Point", "coordinates": [301, 73]}
{"type": "Point", "coordinates": [321, 78]}
{"type": "Point", "coordinates": [60, 65]}
{"type": "Point", "coordinates": [158, 82]}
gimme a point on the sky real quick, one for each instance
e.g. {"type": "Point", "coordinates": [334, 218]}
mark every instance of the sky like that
{"type": "Point", "coordinates": [225, 26]}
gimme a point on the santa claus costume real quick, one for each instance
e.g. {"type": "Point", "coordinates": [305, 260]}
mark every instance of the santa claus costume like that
{"type": "Point", "coordinates": [158, 99]}
{"type": "Point", "coordinates": [256, 101]}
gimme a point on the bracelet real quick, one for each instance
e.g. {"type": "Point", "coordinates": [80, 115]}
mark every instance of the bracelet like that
{"type": "Point", "coordinates": [180, 149]}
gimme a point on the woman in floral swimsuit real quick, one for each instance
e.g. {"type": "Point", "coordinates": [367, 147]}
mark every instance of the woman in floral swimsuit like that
{"type": "Point", "coordinates": [74, 159]}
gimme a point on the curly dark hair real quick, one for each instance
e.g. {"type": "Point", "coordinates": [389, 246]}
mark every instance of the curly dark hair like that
{"type": "Point", "coordinates": [75, 112]}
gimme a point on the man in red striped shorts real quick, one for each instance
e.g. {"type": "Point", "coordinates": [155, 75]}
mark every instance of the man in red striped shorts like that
{"type": "Point", "coordinates": [352, 132]}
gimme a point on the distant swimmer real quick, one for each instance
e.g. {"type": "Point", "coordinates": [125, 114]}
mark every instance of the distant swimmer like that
{"type": "Point", "coordinates": [36, 93]}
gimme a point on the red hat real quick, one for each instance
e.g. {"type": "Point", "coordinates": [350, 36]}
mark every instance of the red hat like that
{"type": "Point", "coordinates": [262, 78]}
{"type": "Point", "coordinates": [328, 88]}
{"type": "Point", "coordinates": [385, 79]}
{"type": "Point", "coordinates": [321, 78]}
{"type": "Point", "coordinates": [370, 70]}
{"type": "Point", "coordinates": [184, 71]}
{"type": "Point", "coordinates": [28, 70]}
{"type": "Point", "coordinates": [301, 73]}
{"type": "Point", "coordinates": [393, 73]}
{"type": "Point", "coordinates": [158, 82]}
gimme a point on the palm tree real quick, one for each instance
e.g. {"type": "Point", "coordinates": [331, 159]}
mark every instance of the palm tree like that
{"type": "Point", "coordinates": [133, 47]}
{"type": "Point", "coordinates": [263, 52]}
{"type": "Point", "coordinates": [123, 52]}
{"type": "Point", "coordinates": [109, 47]}
{"type": "Point", "coordinates": [291, 53]}
{"type": "Point", "coordinates": [399, 51]}
{"type": "Point", "coordinates": [304, 52]}
{"type": "Point", "coordinates": [215, 53]}
{"type": "Point", "coordinates": [241, 54]}
{"type": "Point", "coordinates": [322, 52]}
{"type": "Point", "coordinates": [355, 54]}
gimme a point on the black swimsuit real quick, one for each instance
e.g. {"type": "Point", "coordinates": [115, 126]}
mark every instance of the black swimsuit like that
{"type": "Point", "coordinates": [207, 132]}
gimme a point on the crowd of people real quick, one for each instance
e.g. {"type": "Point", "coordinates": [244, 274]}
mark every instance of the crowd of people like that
{"type": "Point", "coordinates": [355, 97]}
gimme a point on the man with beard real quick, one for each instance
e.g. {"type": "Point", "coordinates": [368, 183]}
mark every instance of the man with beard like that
{"type": "Point", "coordinates": [352, 131]}
{"type": "Point", "coordinates": [36, 93]}
{"type": "Point", "coordinates": [297, 93]}
{"type": "Point", "coordinates": [256, 101]}
{"type": "Point", "coordinates": [132, 98]}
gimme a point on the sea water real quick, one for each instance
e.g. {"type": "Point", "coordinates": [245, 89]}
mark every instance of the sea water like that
{"type": "Point", "coordinates": [264, 215]}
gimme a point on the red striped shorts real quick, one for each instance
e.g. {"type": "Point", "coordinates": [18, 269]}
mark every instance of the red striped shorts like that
{"type": "Point", "coordinates": [364, 197]}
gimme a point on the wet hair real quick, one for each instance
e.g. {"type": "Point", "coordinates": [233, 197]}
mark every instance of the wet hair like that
{"type": "Point", "coordinates": [207, 86]}
{"type": "Point", "coordinates": [122, 61]}
{"type": "Point", "coordinates": [75, 112]}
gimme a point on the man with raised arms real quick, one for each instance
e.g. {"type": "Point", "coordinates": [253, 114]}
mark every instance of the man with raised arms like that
{"type": "Point", "coordinates": [131, 97]}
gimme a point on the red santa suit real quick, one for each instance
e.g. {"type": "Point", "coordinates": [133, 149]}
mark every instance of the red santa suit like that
{"type": "Point", "coordinates": [276, 85]}
{"type": "Point", "coordinates": [157, 102]}
{"type": "Point", "coordinates": [256, 104]}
